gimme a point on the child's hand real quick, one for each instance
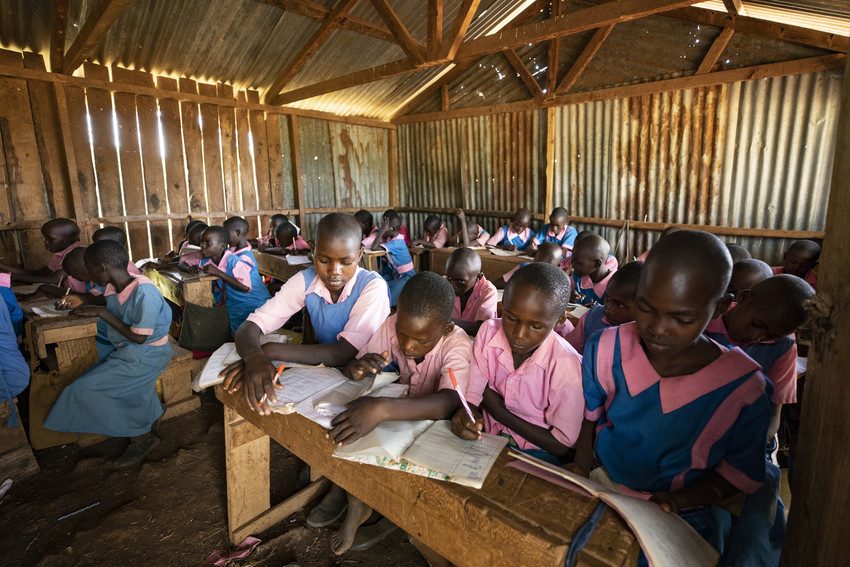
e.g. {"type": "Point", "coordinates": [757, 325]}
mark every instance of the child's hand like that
{"type": "Point", "coordinates": [667, 501]}
{"type": "Point", "coordinates": [233, 375]}
{"type": "Point", "coordinates": [212, 270]}
{"type": "Point", "coordinates": [363, 415]}
{"type": "Point", "coordinates": [575, 297]}
{"type": "Point", "coordinates": [509, 247]}
{"type": "Point", "coordinates": [464, 427]}
{"type": "Point", "coordinates": [460, 214]}
{"type": "Point", "coordinates": [194, 270]}
{"type": "Point", "coordinates": [70, 302]}
{"type": "Point", "coordinates": [367, 364]}
{"type": "Point", "coordinates": [88, 311]}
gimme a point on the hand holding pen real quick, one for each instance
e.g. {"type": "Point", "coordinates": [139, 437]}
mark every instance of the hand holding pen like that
{"type": "Point", "coordinates": [462, 427]}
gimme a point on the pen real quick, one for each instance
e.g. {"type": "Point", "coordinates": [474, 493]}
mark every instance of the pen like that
{"type": "Point", "coordinates": [277, 374]}
{"type": "Point", "coordinates": [462, 399]}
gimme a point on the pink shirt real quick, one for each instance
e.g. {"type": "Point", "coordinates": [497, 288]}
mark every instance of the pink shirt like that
{"type": "Point", "coordinates": [576, 336]}
{"type": "Point", "coordinates": [598, 287]}
{"type": "Point", "coordinates": [190, 257]}
{"type": "Point", "coordinates": [440, 237]}
{"type": "Point", "coordinates": [5, 279]}
{"type": "Point", "coordinates": [642, 257]}
{"type": "Point", "coordinates": [453, 351]}
{"type": "Point", "coordinates": [811, 277]}
{"type": "Point", "coordinates": [560, 236]}
{"type": "Point", "coordinates": [366, 316]}
{"type": "Point", "coordinates": [404, 233]}
{"type": "Point", "coordinates": [298, 244]}
{"type": "Point", "coordinates": [367, 241]}
{"type": "Point", "coordinates": [74, 284]}
{"type": "Point", "coordinates": [241, 270]}
{"type": "Point", "coordinates": [545, 390]}
{"type": "Point", "coordinates": [479, 240]}
{"type": "Point", "coordinates": [565, 329]}
{"type": "Point", "coordinates": [507, 277]}
{"type": "Point", "coordinates": [481, 304]}
{"type": "Point", "coordinates": [497, 238]}
{"type": "Point", "coordinates": [55, 262]}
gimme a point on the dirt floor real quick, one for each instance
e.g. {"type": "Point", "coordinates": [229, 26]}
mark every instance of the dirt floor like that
{"type": "Point", "coordinates": [171, 511]}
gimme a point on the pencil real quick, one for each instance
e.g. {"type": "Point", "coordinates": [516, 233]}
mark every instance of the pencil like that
{"type": "Point", "coordinates": [462, 399]}
{"type": "Point", "coordinates": [277, 374]}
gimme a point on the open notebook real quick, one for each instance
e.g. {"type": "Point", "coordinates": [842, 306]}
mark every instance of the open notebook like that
{"type": "Point", "coordinates": [224, 356]}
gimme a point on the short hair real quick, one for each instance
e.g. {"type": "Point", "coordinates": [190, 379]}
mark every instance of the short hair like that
{"type": "Point", "coordinates": [279, 218]}
{"type": "Point", "coordinates": [237, 223]}
{"type": "Point", "coordinates": [593, 245]}
{"type": "Point", "coordinates": [339, 225]}
{"type": "Point", "coordinates": [107, 252]}
{"type": "Point", "coordinates": [393, 217]}
{"type": "Point", "coordinates": [737, 252]}
{"type": "Point", "coordinates": [807, 247]}
{"type": "Point", "coordinates": [110, 233]}
{"type": "Point", "coordinates": [788, 293]}
{"type": "Point", "coordinates": [432, 220]}
{"type": "Point", "coordinates": [192, 224]}
{"type": "Point", "coordinates": [201, 226]}
{"type": "Point", "coordinates": [75, 257]}
{"type": "Point", "coordinates": [427, 295]}
{"type": "Point", "coordinates": [465, 257]}
{"type": "Point", "coordinates": [221, 233]}
{"type": "Point", "coordinates": [628, 276]}
{"type": "Point", "coordinates": [582, 235]}
{"type": "Point", "coordinates": [669, 230]}
{"type": "Point", "coordinates": [560, 211]}
{"type": "Point", "coordinates": [545, 278]}
{"type": "Point", "coordinates": [62, 224]}
{"type": "Point", "coordinates": [522, 212]}
{"type": "Point", "coordinates": [365, 217]}
{"type": "Point", "coordinates": [286, 229]}
{"type": "Point", "coordinates": [752, 266]}
{"type": "Point", "coordinates": [693, 251]}
{"type": "Point", "coordinates": [548, 251]}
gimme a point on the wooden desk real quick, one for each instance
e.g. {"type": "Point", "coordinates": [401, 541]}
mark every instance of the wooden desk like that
{"type": "Point", "coordinates": [420, 258]}
{"type": "Point", "coordinates": [277, 266]}
{"type": "Point", "coordinates": [177, 287]}
{"type": "Point", "coordinates": [493, 267]}
{"type": "Point", "coordinates": [369, 261]}
{"type": "Point", "coordinates": [513, 520]}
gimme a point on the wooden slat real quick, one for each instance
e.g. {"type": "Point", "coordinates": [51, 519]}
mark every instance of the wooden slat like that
{"type": "Point", "coordinates": [435, 28]}
{"type": "Point", "coordinates": [554, 55]}
{"type": "Point", "coordinates": [550, 161]}
{"type": "Point", "coordinates": [76, 171]}
{"type": "Point", "coordinates": [58, 25]}
{"type": "Point", "coordinates": [9, 242]}
{"type": "Point", "coordinates": [212, 150]}
{"type": "Point", "coordinates": [445, 103]}
{"type": "Point", "coordinates": [295, 149]}
{"type": "Point", "coordinates": [230, 170]}
{"type": "Point", "coordinates": [103, 143]}
{"type": "Point", "coordinates": [98, 21]}
{"type": "Point", "coordinates": [262, 166]}
{"type": "Point", "coordinates": [584, 59]}
{"type": "Point", "coordinates": [524, 74]}
{"type": "Point", "coordinates": [275, 160]}
{"type": "Point", "coordinates": [245, 500]}
{"type": "Point", "coordinates": [715, 51]}
{"type": "Point", "coordinates": [246, 168]}
{"type": "Point", "coordinates": [458, 70]}
{"type": "Point", "coordinates": [464, 17]}
{"type": "Point", "coordinates": [193, 148]}
{"type": "Point", "coordinates": [735, 7]}
{"type": "Point", "coordinates": [405, 41]}
{"type": "Point", "coordinates": [392, 168]}
{"type": "Point", "coordinates": [175, 173]}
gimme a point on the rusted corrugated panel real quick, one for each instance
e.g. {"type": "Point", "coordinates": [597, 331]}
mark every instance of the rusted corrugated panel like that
{"type": "Point", "coordinates": [361, 159]}
{"type": "Point", "coordinates": [317, 167]}
{"type": "Point", "coordinates": [754, 155]}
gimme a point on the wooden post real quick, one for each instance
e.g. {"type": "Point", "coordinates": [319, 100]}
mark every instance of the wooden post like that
{"type": "Point", "coordinates": [550, 161]}
{"type": "Point", "coordinates": [818, 525]}
{"type": "Point", "coordinates": [392, 167]}
{"type": "Point", "coordinates": [296, 170]}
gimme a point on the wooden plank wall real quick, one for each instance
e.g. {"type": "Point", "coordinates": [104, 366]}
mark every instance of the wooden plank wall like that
{"type": "Point", "coordinates": [148, 163]}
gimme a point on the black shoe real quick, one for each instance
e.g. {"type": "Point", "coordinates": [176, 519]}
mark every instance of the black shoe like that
{"type": "Point", "coordinates": [136, 451]}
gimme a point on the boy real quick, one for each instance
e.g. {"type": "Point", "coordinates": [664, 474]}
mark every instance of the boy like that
{"type": "Point", "coordinates": [286, 241]}
{"type": "Point", "coordinates": [590, 271]}
{"type": "Point", "coordinates": [471, 234]}
{"type": "Point", "coordinates": [368, 229]}
{"type": "Point", "coordinates": [397, 267]}
{"type": "Point", "coordinates": [558, 231]}
{"type": "Point", "coordinates": [117, 396]}
{"type": "Point", "coordinates": [619, 306]}
{"type": "Point", "coordinates": [422, 341]}
{"type": "Point", "coordinates": [274, 221]}
{"type": "Point", "coordinates": [60, 237]}
{"type": "Point", "coordinates": [525, 377]}
{"type": "Point", "coordinates": [737, 252]}
{"type": "Point", "coordinates": [516, 235]}
{"type": "Point", "coordinates": [760, 324]}
{"type": "Point", "coordinates": [611, 262]}
{"type": "Point", "coordinates": [799, 260]}
{"type": "Point", "coordinates": [237, 229]}
{"type": "Point", "coordinates": [746, 274]}
{"type": "Point", "coordinates": [548, 253]}
{"type": "Point", "coordinates": [118, 235]}
{"type": "Point", "coordinates": [665, 232]}
{"type": "Point", "coordinates": [241, 287]}
{"type": "Point", "coordinates": [436, 233]}
{"type": "Point", "coordinates": [476, 298]}
{"type": "Point", "coordinates": [677, 418]}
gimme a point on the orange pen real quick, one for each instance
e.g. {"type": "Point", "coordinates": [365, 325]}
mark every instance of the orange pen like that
{"type": "Point", "coordinates": [462, 398]}
{"type": "Point", "coordinates": [277, 374]}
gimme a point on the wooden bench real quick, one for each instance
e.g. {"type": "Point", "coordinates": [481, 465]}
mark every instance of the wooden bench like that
{"type": "Point", "coordinates": [16, 458]}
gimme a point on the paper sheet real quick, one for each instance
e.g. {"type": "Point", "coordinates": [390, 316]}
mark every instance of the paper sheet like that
{"type": "Point", "coordinates": [221, 358]}
{"type": "Point", "coordinates": [390, 439]}
{"type": "Point", "coordinates": [47, 311]}
{"type": "Point", "coordinates": [498, 252]}
{"type": "Point", "coordinates": [298, 260]}
{"type": "Point", "coordinates": [301, 383]}
{"type": "Point", "coordinates": [307, 407]}
{"type": "Point", "coordinates": [577, 310]}
{"type": "Point", "coordinates": [333, 403]}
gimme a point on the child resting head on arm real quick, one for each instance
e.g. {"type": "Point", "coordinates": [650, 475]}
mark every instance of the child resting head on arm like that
{"type": "Point", "coordinates": [475, 297]}
{"type": "Point", "coordinates": [436, 233]}
{"type": "Point", "coordinates": [60, 237]}
{"type": "Point", "coordinates": [286, 241]}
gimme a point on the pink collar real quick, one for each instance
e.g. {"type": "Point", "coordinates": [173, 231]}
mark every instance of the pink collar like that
{"type": "Point", "coordinates": [127, 291]}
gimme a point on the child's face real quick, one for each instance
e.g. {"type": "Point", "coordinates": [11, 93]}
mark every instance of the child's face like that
{"type": "Point", "coordinates": [520, 222]}
{"type": "Point", "coordinates": [273, 224]}
{"type": "Point", "coordinates": [98, 273]}
{"type": "Point", "coordinates": [78, 271]}
{"type": "Point", "coordinates": [557, 223]}
{"type": "Point", "coordinates": [417, 336]}
{"type": "Point", "coordinates": [335, 260]}
{"type": "Point", "coordinates": [583, 263]}
{"type": "Point", "coordinates": [619, 304]}
{"type": "Point", "coordinates": [755, 321]}
{"type": "Point", "coordinates": [432, 228]}
{"type": "Point", "coordinates": [55, 240]}
{"type": "Point", "coordinates": [462, 278]}
{"type": "Point", "coordinates": [211, 245]}
{"type": "Point", "coordinates": [797, 263]}
{"type": "Point", "coordinates": [528, 317]}
{"type": "Point", "coordinates": [393, 225]}
{"type": "Point", "coordinates": [235, 235]}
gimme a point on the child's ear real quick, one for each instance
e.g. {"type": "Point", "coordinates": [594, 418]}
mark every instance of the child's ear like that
{"type": "Point", "coordinates": [743, 295]}
{"type": "Point", "coordinates": [722, 305]}
{"type": "Point", "coordinates": [598, 263]}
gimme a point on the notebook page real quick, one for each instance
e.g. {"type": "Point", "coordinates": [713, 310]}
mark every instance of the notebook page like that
{"type": "Point", "coordinates": [302, 382]}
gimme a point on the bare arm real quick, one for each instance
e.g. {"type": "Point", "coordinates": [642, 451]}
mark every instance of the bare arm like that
{"type": "Point", "coordinates": [115, 322]}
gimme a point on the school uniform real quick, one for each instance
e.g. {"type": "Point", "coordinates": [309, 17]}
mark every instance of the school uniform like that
{"type": "Point", "coordinates": [14, 371]}
{"type": "Point", "coordinates": [405, 233]}
{"type": "Point", "coordinates": [117, 396]}
{"type": "Point", "coordinates": [590, 292]}
{"type": "Point", "coordinates": [643, 257]}
{"type": "Point", "coordinates": [611, 263]}
{"type": "Point", "coordinates": [452, 351]}
{"type": "Point", "coordinates": [370, 238]}
{"type": "Point", "coordinates": [397, 266]}
{"type": "Point", "coordinates": [505, 236]}
{"type": "Point", "coordinates": [239, 304]}
{"type": "Point", "coordinates": [247, 251]}
{"type": "Point", "coordinates": [362, 306]}
{"type": "Point", "coordinates": [811, 276]}
{"type": "Point", "coordinates": [545, 390]}
{"type": "Point", "coordinates": [439, 238]}
{"type": "Point", "coordinates": [16, 316]}
{"type": "Point", "coordinates": [565, 239]}
{"type": "Point", "coordinates": [589, 323]}
{"type": "Point", "coordinates": [480, 240]}
{"type": "Point", "coordinates": [481, 304]}
{"type": "Point", "coordinates": [508, 275]}
{"type": "Point", "coordinates": [661, 434]}
{"type": "Point", "coordinates": [55, 262]}
{"type": "Point", "coordinates": [189, 256]}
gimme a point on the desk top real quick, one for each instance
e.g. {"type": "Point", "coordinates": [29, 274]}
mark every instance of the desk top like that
{"type": "Point", "coordinates": [277, 266]}
{"type": "Point", "coordinates": [514, 519]}
{"type": "Point", "coordinates": [492, 265]}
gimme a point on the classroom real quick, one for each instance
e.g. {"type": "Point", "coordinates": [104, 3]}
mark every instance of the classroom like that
{"type": "Point", "coordinates": [325, 282]}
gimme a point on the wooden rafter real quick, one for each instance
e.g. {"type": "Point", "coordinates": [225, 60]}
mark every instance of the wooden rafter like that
{"type": "Point", "coordinates": [444, 97]}
{"type": "Point", "coordinates": [319, 36]}
{"type": "Point", "coordinates": [57, 35]}
{"type": "Point", "coordinates": [405, 41]}
{"type": "Point", "coordinates": [99, 19]}
{"type": "Point", "coordinates": [735, 7]}
{"type": "Point", "coordinates": [715, 51]}
{"type": "Point", "coordinates": [464, 17]}
{"type": "Point", "coordinates": [435, 28]}
{"type": "Point", "coordinates": [320, 13]}
{"type": "Point", "coordinates": [584, 59]}
{"type": "Point", "coordinates": [524, 74]}
{"type": "Point", "coordinates": [554, 55]}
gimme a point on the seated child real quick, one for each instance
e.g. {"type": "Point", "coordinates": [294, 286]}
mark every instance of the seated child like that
{"type": "Point", "coordinates": [436, 233]}
{"type": "Point", "coordinates": [241, 287]}
{"type": "Point", "coordinates": [189, 252]}
{"type": "Point", "coordinates": [799, 260]}
{"type": "Point", "coordinates": [397, 266]}
{"type": "Point", "coordinates": [761, 324]}
{"type": "Point", "coordinates": [746, 274]}
{"type": "Point", "coordinates": [548, 253]}
{"type": "Point", "coordinates": [677, 418]}
{"type": "Point", "coordinates": [590, 273]}
{"type": "Point", "coordinates": [558, 231]}
{"type": "Point", "coordinates": [274, 222]}
{"type": "Point", "coordinates": [665, 232]}
{"type": "Point", "coordinates": [402, 230]}
{"type": "Point", "coordinates": [471, 234]}
{"type": "Point", "coordinates": [367, 226]}
{"type": "Point", "coordinates": [118, 235]}
{"type": "Point", "coordinates": [516, 235]}
{"type": "Point", "coordinates": [83, 291]}
{"type": "Point", "coordinates": [525, 377]}
{"type": "Point", "coordinates": [737, 252]}
{"type": "Point", "coordinates": [16, 316]}
{"type": "Point", "coordinates": [117, 396]}
{"type": "Point", "coordinates": [60, 237]}
{"type": "Point", "coordinates": [611, 262]}
{"type": "Point", "coordinates": [238, 228]}
{"type": "Point", "coordinates": [422, 342]}
{"type": "Point", "coordinates": [475, 297]}
{"type": "Point", "coordinates": [619, 306]}
{"type": "Point", "coordinates": [14, 370]}
{"type": "Point", "coordinates": [286, 241]}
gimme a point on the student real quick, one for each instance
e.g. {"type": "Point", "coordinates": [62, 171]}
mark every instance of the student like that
{"type": "Point", "coordinates": [470, 233]}
{"type": "Point", "coordinates": [402, 228]}
{"type": "Point", "coordinates": [590, 273]}
{"type": "Point", "coordinates": [238, 228]}
{"type": "Point", "coordinates": [13, 310]}
{"type": "Point", "coordinates": [60, 237]}
{"type": "Point", "coordinates": [436, 233]}
{"type": "Point", "coordinates": [516, 235]}
{"type": "Point", "coordinates": [619, 307]}
{"type": "Point", "coordinates": [189, 255]}
{"type": "Point", "coordinates": [118, 235]}
{"type": "Point", "coordinates": [368, 229]}
{"type": "Point", "coordinates": [558, 231]}
{"type": "Point", "coordinates": [737, 252]}
{"type": "Point", "coordinates": [761, 324]}
{"type": "Point", "coordinates": [526, 378]}
{"type": "Point", "coordinates": [14, 370]}
{"type": "Point", "coordinates": [475, 297]}
{"type": "Point", "coordinates": [548, 253]}
{"type": "Point", "coordinates": [611, 262]}
{"type": "Point", "coordinates": [422, 342]}
{"type": "Point", "coordinates": [241, 287]}
{"type": "Point", "coordinates": [274, 221]}
{"type": "Point", "coordinates": [800, 259]}
{"type": "Point", "coordinates": [286, 241]}
{"type": "Point", "coordinates": [746, 274]}
{"type": "Point", "coordinates": [665, 232]}
{"type": "Point", "coordinates": [117, 396]}
{"type": "Point", "coordinates": [397, 266]}
{"type": "Point", "coordinates": [677, 418]}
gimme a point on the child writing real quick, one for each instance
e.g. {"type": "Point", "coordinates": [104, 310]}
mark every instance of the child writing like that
{"type": "Point", "coordinates": [436, 233]}
{"type": "Point", "coordinates": [368, 229]}
{"type": "Point", "coordinates": [619, 306]}
{"type": "Point", "coordinates": [746, 274]}
{"type": "Point", "coordinates": [800, 259]}
{"type": "Point", "coordinates": [591, 273]}
{"type": "Point", "coordinates": [397, 267]}
{"type": "Point", "coordinates": [286, 241]}
{"type": "Point", "coordinates": [475, 297]}
{"type": "Point", "coordinates": [241, 287]}
{"type": "Point", "coordinates": [189, 256]}
{"type": "Point", "coordinates": [470, 233]}
{"type": "Point", "coordinates": [118, 235]}
{"type": "Point", "coordinates": [548, 253]}
{"type": "Point", "coordinates": [677, 418]}
{"type": "Point", "coordinates": [525, 377]}
{"type": "Point", "coordinates": [60, 237]}
{"type": "Point", "coordinates": [558, 231]}
{"type": "Point", "coordinates": [516, 235]}
{"type": "Point", "coordinates": [422, 342]}
{"type": "Point", "coordinates": [117, 396]}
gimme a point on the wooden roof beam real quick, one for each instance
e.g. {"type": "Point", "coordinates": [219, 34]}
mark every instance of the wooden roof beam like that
{"type": "Point", "coordinates": [715, 51]}
{"type": "Point", "coordinates": [554, 55]}
{"type": "Point", "coordinates": [584, 59]}
{"type": "Point", "coordinates": [405, 41]}
{"type": "Point", "coordinates": [435, 28]}
{"type": "Point", "coordinates": [319, 12]}
{"type": "Point", "coordinates": [98, 22]}
{"type": "Point", "coordinates": [735, 7]}
{"type": "Point", "coordinates": [464, 17]}
{"type": "Point", "coordinates": [524, 74]}
{"type": "Point", "coordinates": [330, 23]}
{"type": "Point", "coordinates": [57, 35]}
